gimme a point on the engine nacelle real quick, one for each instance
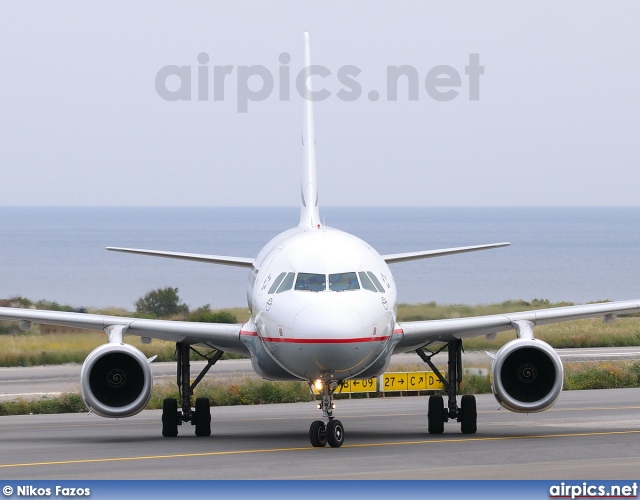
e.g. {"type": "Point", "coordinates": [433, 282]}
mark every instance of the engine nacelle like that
{"type": "Point", "coordinates": [527, 376]}
{"type": "Point", "coordinates": [116, 380]}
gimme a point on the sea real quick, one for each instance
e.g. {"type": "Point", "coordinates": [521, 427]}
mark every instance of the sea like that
{"type": "Point", "coordinates": [561, 254]}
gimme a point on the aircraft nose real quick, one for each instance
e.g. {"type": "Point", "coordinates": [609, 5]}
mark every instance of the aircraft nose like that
{"type": "Point", "coordinates": [328, 321]}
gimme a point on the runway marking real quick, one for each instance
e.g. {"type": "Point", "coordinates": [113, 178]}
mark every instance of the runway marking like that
{"type": "Point", "coordinates": [19, 395]}
{"type": "Point", "coordinates": [308, 448]}
{"type": "Point", "coordinates": [598, 408]}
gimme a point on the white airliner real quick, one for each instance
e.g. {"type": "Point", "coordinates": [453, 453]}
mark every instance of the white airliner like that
{"type": "Point", "coordinates": [323, 310]}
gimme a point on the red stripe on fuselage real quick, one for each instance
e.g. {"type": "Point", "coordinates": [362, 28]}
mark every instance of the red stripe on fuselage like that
{"type": "Point", "coordinates": [248, 333]}
{"type": "Point", "coordinates": [325, 341]}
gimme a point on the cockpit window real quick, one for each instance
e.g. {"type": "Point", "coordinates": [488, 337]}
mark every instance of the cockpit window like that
{"type": "Point", "coordinates": [376, 282]}
{"type": "Point", "coordinates": [343, 281]}
{"type": "Point", "coordinates": [366, 282]}
{"type": "Point", "coordinates": [311, 282]}
{"type": "Point", "coordinates": [277, 282]}
{"type": "Point", "coordinates": [287, 283]}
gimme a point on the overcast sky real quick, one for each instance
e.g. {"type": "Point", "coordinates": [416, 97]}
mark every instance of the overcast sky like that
{"type": "Point", "coordinates": [556, 122]}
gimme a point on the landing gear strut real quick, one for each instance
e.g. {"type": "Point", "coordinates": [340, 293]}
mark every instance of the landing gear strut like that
{"type": "Point", "coordinates": [332, 433]}
{"type": "Point", "coordinates": [466, 413]}
{"type": "Point", "coordinates": [201, 416]}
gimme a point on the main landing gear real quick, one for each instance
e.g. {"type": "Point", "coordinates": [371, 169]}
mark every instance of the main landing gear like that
{"type": "Point", "coordinates": [331, 433]}
{"type": "Point", "coordinates": [201, 416]}
{"type": "Point", "coordinates": [466, 413]}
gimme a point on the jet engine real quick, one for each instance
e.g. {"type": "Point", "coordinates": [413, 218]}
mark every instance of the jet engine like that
{"type": "Point", "coordinates": [116, 380]}
{"type": "Point", "coordinates": [527, 375]}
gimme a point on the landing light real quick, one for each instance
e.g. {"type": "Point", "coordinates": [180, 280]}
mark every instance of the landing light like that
{"type": "Point", "coordinates": [318, 385]}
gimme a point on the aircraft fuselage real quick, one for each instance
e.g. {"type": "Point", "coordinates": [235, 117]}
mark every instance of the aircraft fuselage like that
{"type": "Point", "coordinates": [323, 306]}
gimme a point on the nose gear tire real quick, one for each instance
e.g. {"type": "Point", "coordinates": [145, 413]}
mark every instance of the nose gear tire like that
{"type": "Point", "coordinates": [335, 433]}
{"type": "Point", "coordinates": [318, 434]}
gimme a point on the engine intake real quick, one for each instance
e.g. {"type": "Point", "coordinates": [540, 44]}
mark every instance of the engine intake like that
{"type": "Point", "coordinates": [116, 380]}
{"type": "Point", "coordinates": [527, 376]}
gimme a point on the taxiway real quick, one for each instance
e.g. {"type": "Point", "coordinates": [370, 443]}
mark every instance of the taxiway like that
{"type": "Point", "coordinates": [586, 435]}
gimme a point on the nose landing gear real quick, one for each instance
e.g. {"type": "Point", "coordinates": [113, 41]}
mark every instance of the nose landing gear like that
{"type": "Point", "coordinates": [331, 433]}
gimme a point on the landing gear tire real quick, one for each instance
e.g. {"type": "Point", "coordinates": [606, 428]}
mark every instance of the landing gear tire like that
{"type": "Point", "coordinates": [318, 434]}
{"type": "Point", "coordinates": [169, 417]}
{"type": "Point", "coordinates": [203, 417]}
{"type": "Point", "coordinates": [435, 416]}
{"type": "Point", "coordinates": [335, 433]}
{"type": "Point", "coordinates": [468, 415]}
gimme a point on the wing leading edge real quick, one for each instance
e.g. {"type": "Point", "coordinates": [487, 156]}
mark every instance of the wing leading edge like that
{"type": "Point", "coordinates": [426, 254]}
{"type": "Point", "coordinates": [225, 337]}
{"type": "Point", "coordinates": [210, 259]}
{"type": "Point", "coordinates": [416, 334]}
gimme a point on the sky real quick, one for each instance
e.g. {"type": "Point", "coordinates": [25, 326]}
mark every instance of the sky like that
{"type": "Point", "coordinates": [552, 119]}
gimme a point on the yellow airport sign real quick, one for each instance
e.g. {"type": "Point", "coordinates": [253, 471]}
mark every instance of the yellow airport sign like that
{"type": "Point", "coordinates": [395, 381]}
{"type": "Point", "coordinates": [416, 381]}
{"type": "Point", "coordinates": [392, 382]}
{"type": "Point", "coordinates": [368, 385]}
{"type": "Point", "coordinates": [411, 381]}
{"type": "Point", "coordinates": [433, 382]}
{"type": "Point", "coordinates": [350, 386]}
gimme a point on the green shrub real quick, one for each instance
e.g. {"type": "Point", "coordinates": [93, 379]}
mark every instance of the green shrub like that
{"type": "Point", "coordinates": [65, 403]}
{"type": "Point", "coordinates": [161, 303]}
{"type": "Point", "coordinates": [204, 314]}
{"type": "Point", "coordinates": [604, 375]}
{"type": "Point", "coordinates": [243, 392]}
{"type": "Point", "coordinates": [475, 384]}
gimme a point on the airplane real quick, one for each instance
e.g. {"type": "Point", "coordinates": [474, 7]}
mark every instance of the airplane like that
{"type": "Point", "coordinates": [323, 310]}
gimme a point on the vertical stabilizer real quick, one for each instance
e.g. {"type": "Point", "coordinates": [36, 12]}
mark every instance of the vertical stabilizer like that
{"type": "Point", "coordinates": [309, 215]}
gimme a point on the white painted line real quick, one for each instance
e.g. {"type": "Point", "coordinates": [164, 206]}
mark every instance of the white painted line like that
{"type": "Point", "coordinates": [31, 394]}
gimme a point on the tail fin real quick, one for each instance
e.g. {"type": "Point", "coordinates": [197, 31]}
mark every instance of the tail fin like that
{"type": "Point", "coordinates": [309, 215]}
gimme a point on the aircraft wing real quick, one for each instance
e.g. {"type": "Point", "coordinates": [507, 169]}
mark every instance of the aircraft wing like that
{"type": "Point", "coordinates": [197, 257]}
{"type": "Point", "coordinates": [426, 254]}
{"type": "Point", "coordinates": [416, 334]}
{"type": "Point", "coordinates": [222, 336]}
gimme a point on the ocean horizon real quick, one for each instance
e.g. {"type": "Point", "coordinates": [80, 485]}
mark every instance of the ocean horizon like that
{"type": "Point", "coordinates": [576, 254]}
